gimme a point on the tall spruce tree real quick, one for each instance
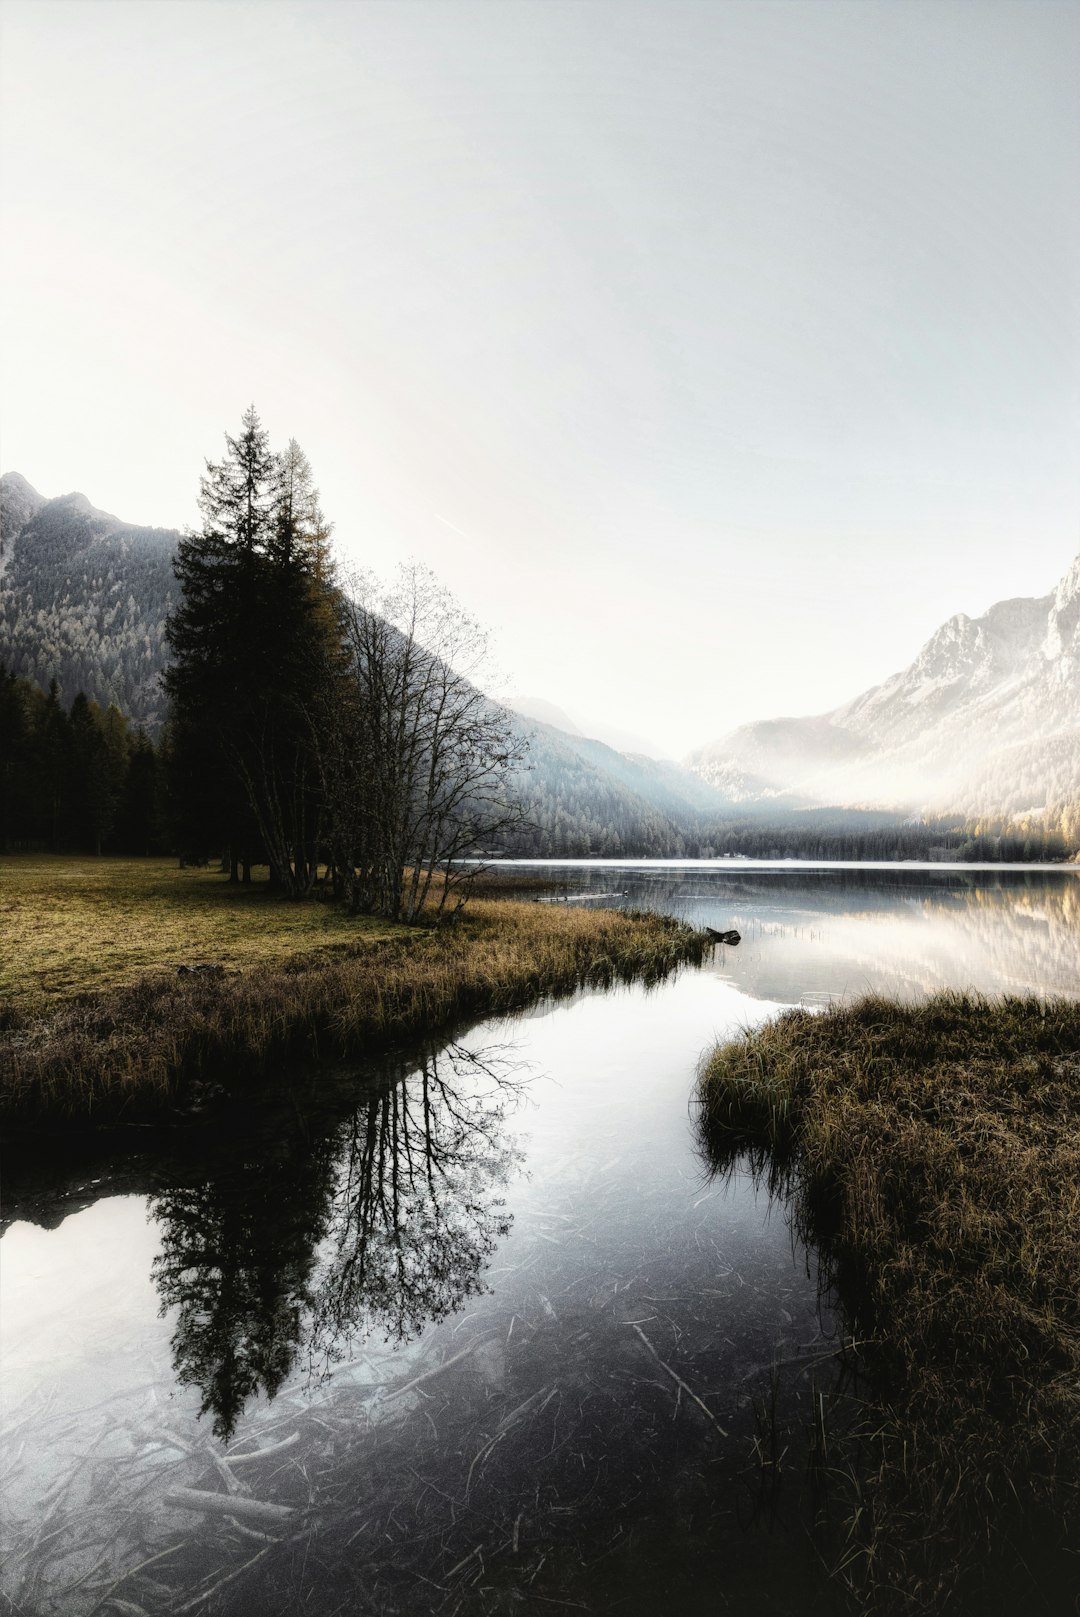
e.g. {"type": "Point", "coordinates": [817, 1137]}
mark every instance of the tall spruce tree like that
{"type": "Point", "coordinates": [253, 643]}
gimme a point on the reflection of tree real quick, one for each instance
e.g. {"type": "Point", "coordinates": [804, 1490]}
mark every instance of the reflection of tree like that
{"type": "Point", "coordinates": [236, 1261]}
{"type": "Point", "coordinates": [415, 1216]}
{"type": "Point", "coordinates": [385, 1222]}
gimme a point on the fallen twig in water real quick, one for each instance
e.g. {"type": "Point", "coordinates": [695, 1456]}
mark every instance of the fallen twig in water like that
{"type": "Point", "coordinates": [689, 1391]}
{"type": "Point", "coordinates": [429, 1375]}
{"type": "Point", "coordinates": [162, 1555]}
{"type": "Point", "coordinates": [230, 1577]}
{"type": "Point", "coordinates": [261, 1454]}
{"type": "Point", "coordinates": [222, 1504]}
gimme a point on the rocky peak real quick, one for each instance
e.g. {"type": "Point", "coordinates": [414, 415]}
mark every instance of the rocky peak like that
{"type": "Point", "coordinates": [1063, 626]}
{"type": "Point", "coordinates": [19, 501]}
{"type": "Point", "coordinates": [987, 717]}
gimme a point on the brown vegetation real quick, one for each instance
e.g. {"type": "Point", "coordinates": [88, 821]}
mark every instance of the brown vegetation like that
{"type": "Point", "coordinates": [126, 1049]}
{"type": "Point", "coordinates": [933, 1152]}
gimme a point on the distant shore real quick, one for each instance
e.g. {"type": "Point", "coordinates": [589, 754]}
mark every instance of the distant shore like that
{"type": "Point", "coordinates": [738, 861]}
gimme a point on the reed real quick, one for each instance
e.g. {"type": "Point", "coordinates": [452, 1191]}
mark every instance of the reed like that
{"type": "Point", "coordinates": [933, 1153]}
{"type": "Point", "coordinates": [126, 1050]}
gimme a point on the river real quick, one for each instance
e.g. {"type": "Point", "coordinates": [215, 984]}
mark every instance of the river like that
{"type": "Point", "coordinates": [479, 1316]}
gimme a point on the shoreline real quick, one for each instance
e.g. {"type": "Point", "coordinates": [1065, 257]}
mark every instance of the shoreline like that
{"type": "Point", "coordinates": [739, 861]}
{"type": "Point", "coordinates": [134, 1051]}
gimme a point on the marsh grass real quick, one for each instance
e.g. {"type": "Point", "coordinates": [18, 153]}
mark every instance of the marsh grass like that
{"type": "Point", "coordinates": [933, 1151]}
{"type": "Point", "coordinates": [126, 1048]}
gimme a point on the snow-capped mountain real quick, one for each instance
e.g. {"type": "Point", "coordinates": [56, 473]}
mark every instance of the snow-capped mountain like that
{"type": "Point", "coordinates": [985, 720]}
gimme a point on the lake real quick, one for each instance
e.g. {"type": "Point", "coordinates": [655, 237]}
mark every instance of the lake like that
{"type": "Point", "coordinates": [479, 1316]}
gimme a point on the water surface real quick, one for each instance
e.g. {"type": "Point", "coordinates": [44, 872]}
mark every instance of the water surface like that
{"type": "Point", "coordinates": [505, 1343]}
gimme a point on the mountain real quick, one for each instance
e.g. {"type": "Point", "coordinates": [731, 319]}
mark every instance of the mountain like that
{"type": "Point", "coordinates": [18, 503]}
{"type": "Point", "coordinates": [985, 721]}
{"type": "Point", "coordinates": [83, 599]}
{"type": "Point", "coordinates": [581, 796]}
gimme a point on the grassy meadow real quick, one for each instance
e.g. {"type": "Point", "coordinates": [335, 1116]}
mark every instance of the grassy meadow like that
{"type": "Point", "coordinates": [96, 1022]}
{"type": "Point", "coordinates": [933, 1151]}
{"type": "Point", "coordinates": [73, 926]}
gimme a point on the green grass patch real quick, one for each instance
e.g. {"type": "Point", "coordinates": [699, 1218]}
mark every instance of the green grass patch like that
{"type": "Point", "coordinates": [99, 1025]}
{"type": "Point", "coordinates": [933, 1155]}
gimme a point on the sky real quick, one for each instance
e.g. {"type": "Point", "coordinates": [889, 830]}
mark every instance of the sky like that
{"type": "Point", "coordinates": [713, 353]}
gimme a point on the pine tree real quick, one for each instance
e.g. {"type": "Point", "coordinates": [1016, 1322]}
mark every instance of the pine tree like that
{"type": "Point", "coordinates": [253, 644]}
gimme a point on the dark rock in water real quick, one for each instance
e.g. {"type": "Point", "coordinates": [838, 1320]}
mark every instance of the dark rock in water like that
{"type": "Point", "coordinates": [731, 938]}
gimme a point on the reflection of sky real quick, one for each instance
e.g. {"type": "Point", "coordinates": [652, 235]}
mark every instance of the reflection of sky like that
{"type": "Point", "coordinates": [817, 933]}
{"type": "Point", "coordinates": [914, 949]}
{"type": "Point", "coordinates": [61, 1295]}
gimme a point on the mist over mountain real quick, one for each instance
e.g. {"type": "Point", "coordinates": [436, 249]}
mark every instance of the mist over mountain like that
{"type": "Point", "coordinates": [985, 720]}
{"type": "Point", "coordinates": [535, 707]}
{"type": "Point", "coordinates": [614, 736]}
{"type": "Point", "coordinates": [582, 796]}
{"type": "Point", "coordinates": [84, 598]}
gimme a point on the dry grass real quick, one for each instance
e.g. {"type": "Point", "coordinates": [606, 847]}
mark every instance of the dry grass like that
{"type": "Point", "coordinates": [72, 926]}
{"type": "Point", "coordinates": [131, 1041]}
{"type": "Point", "coordinates": [934, 1155]}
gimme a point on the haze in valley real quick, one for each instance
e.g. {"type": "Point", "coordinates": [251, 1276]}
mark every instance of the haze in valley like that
{"type": "Point", "coordinates": [715, 354]}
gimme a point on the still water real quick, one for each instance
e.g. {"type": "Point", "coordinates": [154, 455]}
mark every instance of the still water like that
{"type": "Point", "coordinates": [473, 1330]}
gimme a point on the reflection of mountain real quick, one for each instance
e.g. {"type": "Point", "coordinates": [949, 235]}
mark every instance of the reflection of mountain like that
{"type": "Point", "coordinates": [811, 934]}
{"type": "Point", "coordinates": [1007, 937]}
{"type": "Point", "coordinates": [385, 1223]}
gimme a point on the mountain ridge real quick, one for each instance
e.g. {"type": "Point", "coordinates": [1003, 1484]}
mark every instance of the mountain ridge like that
{"type": "Point", "coordinates": [985, 719]}
{"type": "Point", "coordinates": [84, 599]}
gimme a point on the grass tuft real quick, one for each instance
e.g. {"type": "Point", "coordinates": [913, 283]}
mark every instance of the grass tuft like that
{"type": "Point", "coordinates": [933, 1151]}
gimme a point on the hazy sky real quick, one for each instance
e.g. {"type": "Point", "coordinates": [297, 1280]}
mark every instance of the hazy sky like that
{"type": "Point", "coordinates": [713, 353]}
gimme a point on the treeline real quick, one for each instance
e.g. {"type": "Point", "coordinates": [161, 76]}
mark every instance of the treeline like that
{"type": "Point", "coordinates": [78, 779]}
{"type": "Point", "coordinates": [566, 820]}
{"type": "Point", "coordinates": [935, 839]}
{"type": "Point", "coordinates": [88, 780]}
{"type": "Point", "coordinates": [565, 828]}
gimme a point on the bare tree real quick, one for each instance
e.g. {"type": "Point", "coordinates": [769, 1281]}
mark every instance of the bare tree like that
{"type": "Point", "coordinates": [420, 759]}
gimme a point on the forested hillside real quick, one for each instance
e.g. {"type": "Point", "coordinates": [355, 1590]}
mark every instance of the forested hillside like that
{"type": "Point", "coordinates": [83, 600]}
{"type": "Point", "coordinates": [581, 797]}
